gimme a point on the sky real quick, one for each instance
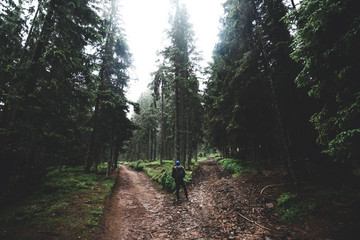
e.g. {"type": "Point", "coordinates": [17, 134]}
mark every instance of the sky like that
{"type": "Point", "coordinates": [145, 23]}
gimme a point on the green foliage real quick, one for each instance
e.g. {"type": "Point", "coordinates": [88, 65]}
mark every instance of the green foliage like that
{"type": "Point", "coordinates": [285, 198]}
{"type": "Point", "coordinates": [292, 209]}
{"type": "Point", "coordinates": [167, 181]}
{"type": "Point", "coordinates": [69, 180]}
{"type": "Point", "coordinates": [326, 41]}
{"type": "Point", "coordinates": [249, 78]}
{"type": "Point", "coordinates": [174, 105]}
{"type": "Point", "coordinates": [49, 84]}
{"type": "Point", "coordinates": [137, 165]}
{"type": "Point", "coordinates": [160, 173]}
{"type": "Point", "coordinates": [146, 121]}
{"type": "Point", "coordinates": [236, 166]}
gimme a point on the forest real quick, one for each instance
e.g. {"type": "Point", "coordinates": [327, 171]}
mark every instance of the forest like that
{"type": "Point", "coordinates": [280, 91]}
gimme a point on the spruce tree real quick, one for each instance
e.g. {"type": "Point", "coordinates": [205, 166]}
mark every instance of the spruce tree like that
{"type": "Point", "coordinates": [327, 45]}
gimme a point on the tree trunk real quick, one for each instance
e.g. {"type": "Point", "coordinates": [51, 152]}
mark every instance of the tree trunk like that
{"type": "Point", "coordinates": [188, 142]}
{"type": "Point", "coordinates": [111, 154]}
{"type": "Point", "coordinates": [29, 83]}
{"type": "Point", "coordinates": [93, 145]}
{"type": "Point", "coordinates": [293, 4]}
{"type": "Point", "coordinates": [149, 146]}
{"type": "Point", "coordinates": [155, 147]}
{"type": "Point", "coordinates": [183, 121]}
{"type": "Point", "coordinates": [196, 153]}
{"type": "Point", "coordinates": [22, 57]}
{"type": "Point", "coordinates": [162, 124]}
{"type": "Point", "coordinates": [116, 154]}
{"type": "Point", "coordinates": [177, 118]}
{"type": "Point", "coordinates": [283, 141]}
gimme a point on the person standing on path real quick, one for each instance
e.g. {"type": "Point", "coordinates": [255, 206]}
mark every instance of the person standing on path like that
{"type": "Point", "coordinates": [178, 173]}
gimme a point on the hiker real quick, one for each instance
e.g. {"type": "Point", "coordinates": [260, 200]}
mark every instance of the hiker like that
{"type": "Point", "coordinates": [178, 173]}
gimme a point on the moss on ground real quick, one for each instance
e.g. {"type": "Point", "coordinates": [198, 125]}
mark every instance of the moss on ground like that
{"type": "Point", "coordinates": [68, 205]}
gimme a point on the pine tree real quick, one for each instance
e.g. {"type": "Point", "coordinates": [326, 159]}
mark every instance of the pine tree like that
{"type": "Point", "coordinates": [326, 43]}
{"type": "Point", "coordinates": [180, 56]}
{"type": "Point", "coordinates": [250, 99]}
{"type": "Point", "coordinates": [109, 122]}
{"type": "Point", "coordinates": [48, 85]}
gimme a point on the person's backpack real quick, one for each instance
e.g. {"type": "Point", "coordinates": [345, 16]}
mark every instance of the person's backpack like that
{"type": "Point", "coordinates": [178, 172]}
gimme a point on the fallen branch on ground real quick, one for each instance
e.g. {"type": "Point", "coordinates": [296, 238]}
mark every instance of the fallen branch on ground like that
{"type": "Point", "coordinates": [254, 222]}
{"type": "Point", "coordinates": [271, 185]}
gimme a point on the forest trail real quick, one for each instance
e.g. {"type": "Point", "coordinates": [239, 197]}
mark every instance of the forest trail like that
{"type": "Point", "coordinates": [219, 207]}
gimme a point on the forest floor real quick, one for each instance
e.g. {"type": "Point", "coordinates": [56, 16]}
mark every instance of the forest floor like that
{"type": "Point", "coordinates": [219, 207]}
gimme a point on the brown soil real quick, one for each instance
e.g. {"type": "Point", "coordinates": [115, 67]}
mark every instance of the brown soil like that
{"type": "Point", "coordinates": [220, 207]}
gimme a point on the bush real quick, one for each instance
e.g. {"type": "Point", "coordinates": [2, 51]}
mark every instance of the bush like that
{"type": "Point", "coordinates": [285, 199]}
{"type": "Point", "coordinates": [167, 181]}
{"type": "Point", "coordinates": [159, 173]}
{"type": "Point", "coordinates": [137, 166]}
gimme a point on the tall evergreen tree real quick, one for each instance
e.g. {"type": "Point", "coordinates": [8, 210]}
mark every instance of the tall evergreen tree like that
{"type": "Point", "coordinates": [180, 56]}
{"type": "Point", "coordinates": [161, 92]}
{"type": "Point", "coordinates": [327, 44]}
{"type": "Point", "coordinates": [176, 108]}
{"type": "Point", "coordinates": [42, 104]}
{"type": "Point", "coordinates": [250, 97]}
{"type": "Point", "coordinates": [109, 123]}
{"type": "Point", "coordinates": [47, 82]}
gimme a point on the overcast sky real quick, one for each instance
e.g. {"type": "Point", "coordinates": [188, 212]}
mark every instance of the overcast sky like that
{"type": "Point", "coordinates": [145, 23]}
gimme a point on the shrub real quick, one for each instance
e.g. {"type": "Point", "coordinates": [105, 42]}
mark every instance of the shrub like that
{"type": "Point", "coordinates": [167, 181]}
{"type": "Point", "coordinates": [138, 165]}
{"type": "Point", "coordinates": [285, 198]}
{"type": "Point", "coordinates": [159, 173]}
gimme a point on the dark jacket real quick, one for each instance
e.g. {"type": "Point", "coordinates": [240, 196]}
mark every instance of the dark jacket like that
{"type": "Point", "coordinates": [178, 173]}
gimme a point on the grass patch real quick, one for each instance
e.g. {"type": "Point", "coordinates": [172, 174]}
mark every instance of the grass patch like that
{"type": "Point", "coordinates": [237, 167]}
{"type": "Point", "coordinates": [68, 205]}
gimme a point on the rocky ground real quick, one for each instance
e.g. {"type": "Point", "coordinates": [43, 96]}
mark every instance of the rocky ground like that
{"type": "Point", "coordinates": [219, 207]}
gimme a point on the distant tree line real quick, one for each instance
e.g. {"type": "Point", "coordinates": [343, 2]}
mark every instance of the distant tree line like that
{"type": "Point", "coordinates": [63, 70]}
{"type": "Point", "coordinates": [170, 119]}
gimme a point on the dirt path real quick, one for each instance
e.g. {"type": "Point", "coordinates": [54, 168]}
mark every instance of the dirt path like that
{"type": "Point", "coordinates": [135, 209]}
{"type": "Point", "coordinates": [220, 207]}
{"type": "Point", "coordinates": [139, 210]}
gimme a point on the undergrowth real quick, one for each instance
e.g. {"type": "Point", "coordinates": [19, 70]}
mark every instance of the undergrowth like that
{"type": "Point", "coordinates": [237, 167]}
{"type": "Point", "coordinates": [293, 209]}
{"type": "Point", "coordinates": [160, 173]}
{"type": "Point", "coordinates": [68, 205]}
